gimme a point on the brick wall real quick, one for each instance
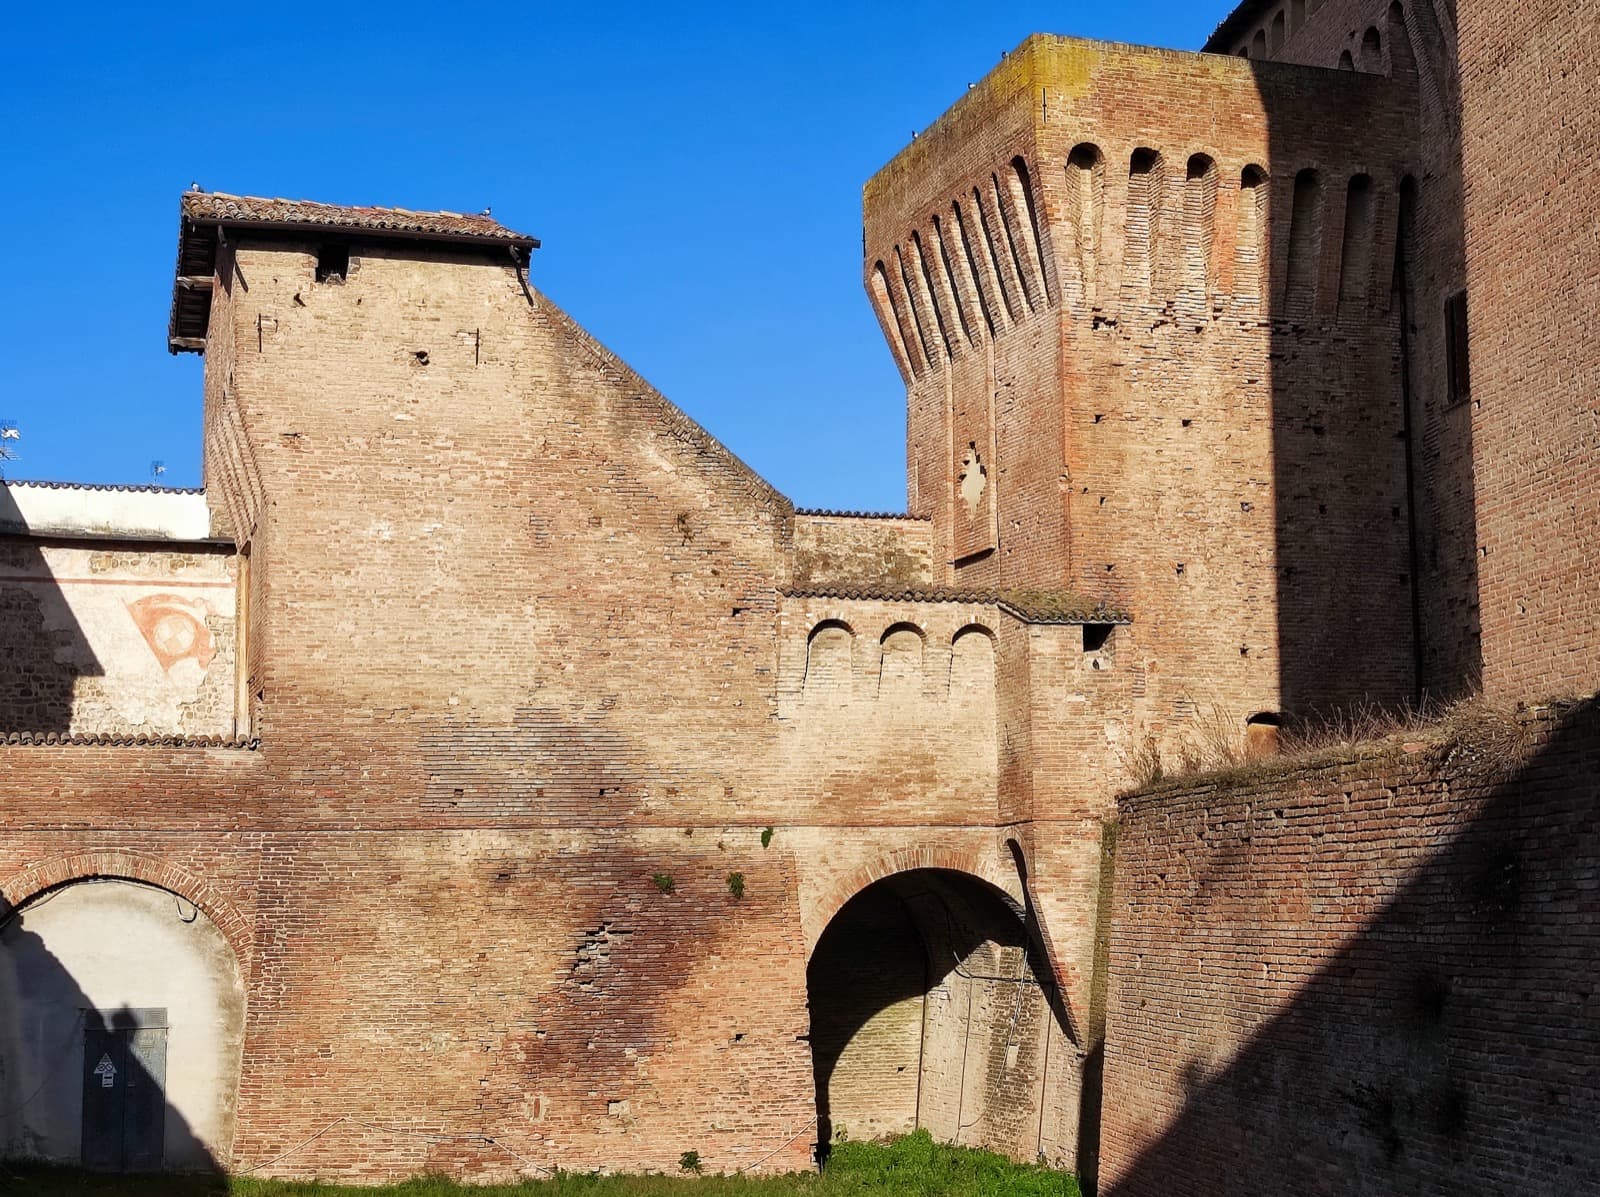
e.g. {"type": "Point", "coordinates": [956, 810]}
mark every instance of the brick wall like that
{"type": "Point", "coordinates": [1369, 974]}
{"type": "Point", "coordinates": [1503, 95]}
{"type": "Point", "coordinates": [519, 640]}
{"type": "Point", "coordinates": [841, 548]}
{"type": "Point", "coordinates": [1531, 158]}
{"type": "Point", "coordinates": [1118, 384]}
{"type": "Point", "coordinates": [1412, 46]}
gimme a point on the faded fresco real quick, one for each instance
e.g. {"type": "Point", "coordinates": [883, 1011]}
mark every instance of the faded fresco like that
{"type": "Point", "coordinates": [116, 641]}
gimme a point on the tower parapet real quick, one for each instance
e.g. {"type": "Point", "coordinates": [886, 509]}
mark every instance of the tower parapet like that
{"type": "Point", "coordinates": [1141, 302]}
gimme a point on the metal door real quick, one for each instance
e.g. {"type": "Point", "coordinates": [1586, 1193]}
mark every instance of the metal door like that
{"type": "Point", "coordinates": [124, 1090]}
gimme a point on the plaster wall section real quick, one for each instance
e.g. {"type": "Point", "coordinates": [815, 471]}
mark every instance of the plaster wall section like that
{"type": "Point", "coordinates": [116, 954]}
{"type": "Point", "coordinates": [1201, 432]}
{"type": "Point", "coordinates": [103, 512]}
{"type": "Point", "coordinates": [116, 638]}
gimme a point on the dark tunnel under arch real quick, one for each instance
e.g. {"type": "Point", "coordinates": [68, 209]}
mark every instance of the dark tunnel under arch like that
{"type": "Point", "coordinates": [933, 1007]}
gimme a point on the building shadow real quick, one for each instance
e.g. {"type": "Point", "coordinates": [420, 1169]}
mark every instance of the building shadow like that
{"type": "Point", "coordinates": [904, 942]}
{"type": "Point", "coordinates": [83, 1091]}
{"type": "Point", "coordinates": [43, 649]}
{"type": "Point", "coordinates": [1376, 540]}
{"type": "Point", "coordinates": [1452, 1046]}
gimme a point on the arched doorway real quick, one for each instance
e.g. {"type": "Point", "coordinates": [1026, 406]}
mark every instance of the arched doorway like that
{"type": "Point", "coordinates": [121, 1025]}
{"type": "Point", "coordinates": [932, 1008]}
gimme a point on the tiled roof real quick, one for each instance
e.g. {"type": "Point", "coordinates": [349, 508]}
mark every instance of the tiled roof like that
{"type": "Point", "coordinates": [216, 207]}
{"type": "Point", "coordinates": [1031, 606]}
{"type": "Point", "coordinates": [205, 215]}
{"type": "Point", "coordinates": [859, 515]}
{"type": "Point", "coordinates": [144, 488]}
{"type": "Point", "coordinates": [115, 740]}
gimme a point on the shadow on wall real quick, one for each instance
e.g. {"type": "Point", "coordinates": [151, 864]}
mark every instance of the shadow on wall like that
{"type": "Point", "coordinates": [80, 1084]}
{"type": "Point", "coordinates": [1376, 565]}
{"type": "Point", "coordinates": [1453, 1046]}
{"type": "Point", "coordinates": [43, 651]}
{"type": "Point", "coordinates": [933, 1007]}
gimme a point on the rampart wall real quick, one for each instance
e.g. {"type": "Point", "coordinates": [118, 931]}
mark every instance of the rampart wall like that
{"type": "Point", "coordinates": [1372, 973]}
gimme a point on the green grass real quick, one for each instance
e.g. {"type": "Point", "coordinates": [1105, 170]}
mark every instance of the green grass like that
{"type": "Point", "coordinates": [912, 1165]}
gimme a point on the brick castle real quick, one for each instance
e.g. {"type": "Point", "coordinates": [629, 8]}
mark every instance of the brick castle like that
{"type": "Point", "coordinates": [488, 772]}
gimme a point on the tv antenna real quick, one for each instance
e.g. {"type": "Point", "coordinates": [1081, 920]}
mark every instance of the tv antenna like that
{"type": "Point", "coordinates": [9, 436]}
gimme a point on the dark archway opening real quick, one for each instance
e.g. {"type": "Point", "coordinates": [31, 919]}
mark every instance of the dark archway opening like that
{"type": "Point", "coordinates": [933, 1008]}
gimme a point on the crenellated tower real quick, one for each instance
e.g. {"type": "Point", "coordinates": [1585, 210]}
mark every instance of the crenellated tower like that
{"type": "Point", "coordinates": [1142, 301]}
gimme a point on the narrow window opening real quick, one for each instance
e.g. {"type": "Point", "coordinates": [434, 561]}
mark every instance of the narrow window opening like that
{"type": "Point", "coordinates": [1346, 63]}
{"type": "Point", "coordinates": [1258, 44]}
{"type": "Point", "coordinates": [1085, 187]}
{"type": "Point", "coordinates": [972, 265]}
{"type": "Point", "coordinates": [1304, 240]}
{"type": "Point", "coordinates": [1199, 225]}
{"type": "Point", "coordinates": [333, 263]}
{"type": "Point", "coordinates": [1355, 270]}
{"type": "Point", "coordinates": [1144, 214]}
{"type": "Point", "coordinates": [1372, 51]}
{"type": "Point", "coordinates": [1457, 365]}
{"type": "Point", "coordinates": [1276, 41]}
{"type": "Point", "coordinates": [1096, 636]}
{"type": "Point", "coordinates": [1297, 15]}
{"type": "Point", "coordinates": [1261, 733]}
{"type": "Point", "coordinates": [1252, 243]}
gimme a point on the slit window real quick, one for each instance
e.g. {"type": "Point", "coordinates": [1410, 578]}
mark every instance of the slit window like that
{"type": "Point", "coordinates": [1457, 367]}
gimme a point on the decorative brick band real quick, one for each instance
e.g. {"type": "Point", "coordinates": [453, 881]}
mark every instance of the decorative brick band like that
{"type": "Point", "coordinates": [18, 890]}
{"type": "Point", "coordinates": [902, 860]}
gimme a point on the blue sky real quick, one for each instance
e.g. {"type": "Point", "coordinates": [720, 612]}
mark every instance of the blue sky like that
{"type": "Point", "coordinates": [694, 172]}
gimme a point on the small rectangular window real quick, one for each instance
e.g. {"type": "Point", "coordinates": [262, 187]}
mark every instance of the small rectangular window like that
{"type": "Point", "coordinates": [333, 263]}
{"type": "Point", "coordinates": [1457, 366]}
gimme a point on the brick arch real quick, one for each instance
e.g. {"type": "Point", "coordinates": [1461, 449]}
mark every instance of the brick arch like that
{"type": "Point", "coordinates": [821, 912]}
{"type": "Point", "coordinates": [17, 890]}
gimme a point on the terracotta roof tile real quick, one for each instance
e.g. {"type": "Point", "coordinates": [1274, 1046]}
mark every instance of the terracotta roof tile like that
{"type": "Point", "coordinates": [216, 207]}
{"type": "Point", "coordinates": [859, 515]}
{"type": "Point", "coordinates": [142, 488]}
{"type": "Point", "coordinates": [203, 213]}
{"type": "Point", "coordinates": [1031, 606]}
{"type": "Point", "coordinates": [117, 740]}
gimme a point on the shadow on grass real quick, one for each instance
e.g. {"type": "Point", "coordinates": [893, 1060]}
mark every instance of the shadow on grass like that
{"type": "Point", "coordinates": [913, 1165]}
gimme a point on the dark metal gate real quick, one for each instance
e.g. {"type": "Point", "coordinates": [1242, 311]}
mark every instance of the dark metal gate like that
{"type": "Point", "coordinates": [124, 1089]}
